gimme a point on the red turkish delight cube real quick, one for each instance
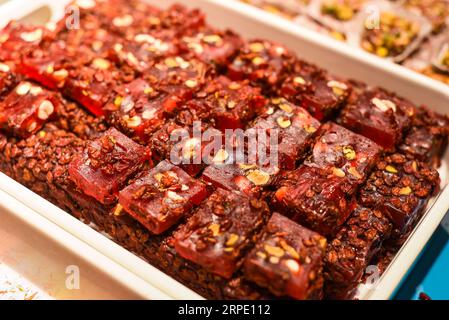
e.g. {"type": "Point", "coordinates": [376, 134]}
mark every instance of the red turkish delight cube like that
{"type": "Point", "coordinates": [344, 153]}
{"type": "Point", "coordinates": [288, 260]}
{"type": "Point", "coordinates": [380, 116]}
{"type": "Point", "coordinates": [231, 104]}
{"type": "Point", "coordinates": [314, 198]}
{"type": "Point", "coordinates": [212, 46]}
{"type": "Point", "coordinates": [25, 109]}
{"type": "Point", "coordinates": [178, 77]}
{"type": "Point", "coordinates": [315, 90]}
{"type": "Point", "coordinates": [263, 63]}
{"type": "Point", "coordinates": [184, 146]}
{"type": "Point", "coordinates": [143, 49]}
{"type": "Point", "coordinates": [106, 164]}
{"type": "Point", "coordinates": [161, 197]}
{"type": "Point", "coordinates": [217, 235]}
{"type": "Point", "coordinates": [139, 110]}
{"type": "Point", "coordinates": [295, 129]}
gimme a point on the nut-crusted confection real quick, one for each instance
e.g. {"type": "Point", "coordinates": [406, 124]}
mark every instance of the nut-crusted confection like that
{"type": "Point", "coordinates": [400, 188]}
{"type": "Point", "coordinates": [218, 235]}
{"type": "Point", "coordinates": [288, 260]}
{"type": "Point", "coordinates": [162, 196]}
{"type": "Point", "coordinates": [350, 252]}
{"type": "Point", "coordinates": [314, 198]}
{"type": "Point", "coordinates": [106, 163]}
{"type": "Point", "coordinates": [26, 109]}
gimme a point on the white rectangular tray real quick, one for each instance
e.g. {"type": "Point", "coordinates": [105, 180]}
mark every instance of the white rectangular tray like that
{"type": "Point", "coordinates": [328, 53]}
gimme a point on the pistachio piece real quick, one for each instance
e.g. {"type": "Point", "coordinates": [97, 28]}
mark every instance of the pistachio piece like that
{"type": "Point", "coordinates": [258, 177]}
{"type": "Point", "coordinates": [355, 173]}
{"type": "Point", "coordinates": [274, 251]}
{"type": "Point", "coordinates": [384, 105]}
{"type": "Point", "coordinates": [132, 122]}
{"type": "Point", "coordinates": [4, 67]}
{"type": "Point", "coordinates": [233, 238]}
{"type": "Point", "coordinates": [299, 80]}
{"type": "Point", "coordinates": [32, 36]}
{"type": "Point", "coordinates": [349, 152]}
{"type": "Point", "coordinates": [123, 21]}
{"type": "Point", "coordinates": [215, 228]}
{"type": "Point", "coordinates": [191, 83]}
{"type": "Point", "coordinates": [405, 191]}
{"type": "Point", "coordinates": [258, 61]}
{"type": "Point", "coordinates": [45, 110]}
{"type": "Point", "coordinates": [286, 107]}
{"type": "Point", "coordinates": [23, 88]}
{"type": "Point", "coordinates": [283, 122]}
{"type": "Point", "coordinates": [256, 47]}
{"type": "Point", "coordinates": [338, 172]}
{"type": "Point", "coordinates": [101, 64]}
{"type": "Point", "coordinates": [391, 169]}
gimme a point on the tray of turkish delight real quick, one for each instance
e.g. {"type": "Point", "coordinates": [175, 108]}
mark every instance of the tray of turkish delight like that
{"type": "Point", "coordinates": [242, 158]}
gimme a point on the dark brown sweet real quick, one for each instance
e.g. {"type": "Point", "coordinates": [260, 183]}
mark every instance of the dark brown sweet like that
{"type": "Point", "coordinates": [400, 188]}
{"type": "Point", "coordinates": [221, 231]}
{"type": "Point", "coordinates": [161, 197]}
{"type": "Point", "coordinates": [288, 260]}
{"type": "Point", "coordinates": [350, 252]}
{"type": "Point", "coordinates": [314, 198]}
{"type": "Point", "coordinates": [105, 165]}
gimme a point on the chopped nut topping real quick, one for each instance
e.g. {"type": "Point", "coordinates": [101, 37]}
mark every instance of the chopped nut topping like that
{"type": "Point", "coordinates": [256, 47]}
{"type": "Point", "coordinates": [215, 228]}
{"type": "Point", "coordinates": [35, 90]}
{"type": "Point", "coordinates": [258, 61]}
{"type": "Point", "coordinates": [118, 101]}
{"type": "Point", "coordinates": [384, 105]}
{"type": "Point", "coordinates": [4, 67]}
{"type": "Point", "coordinates": [213, 39]}
{"type": "Point", "coordinates": [258, 177]}
{"type": "Point", "coordinates": [149, 114]}
{"type": "Point", "coordinates": [293, 265]}
{"type": "Point", "coordinates": [191, 83]}
{"type": "Point", "coordinates": [405, 191]}
{"type": "Point", "coordinates": [132, 122]}
{"type": "Point", "coordinates": [262, 255]}
{"type": "Point", "coordinates": [274, 251]}
{"type": "Point", "coordinates": [274, 260]}
{"type": "Point", "coordinates": [231, 104]}
{"type": "Point", "coordinates": [355, 173]}
{"type": "Point", "coordinates": [338, 87]}
{"type": "Point", "coordinates": [61, 74]}
{"type": "Point", "coordinates": [124, 21]}
{"type": "Point", "coordinates": [45, 110]}
{"type": "Point", "coordinates": [221, 156]}
{"type": "Point", "coordinates": [391, 169]}
{"type": "Point", "coordinates": [270, 110]}
{"type": "Point", "coordinates": [289, 249]}
{"type": "Point", "coordinates": [32, 126]}
{"type": "Point", "coordinates": [287, 108]}
{"type": "Point", "coordinates": [338, 172]}
{"type": "Point", "coordinates": [174, 196]}
{"type": "Point", "coordinates": [142, 37]}
{"type": "Point", "coordinates": [23, 88]}
{"type": "Point", "coordinates": [299, 80]}
{"type": "Point", "coordinates": [283, 122]}
{"type": "Point", "coordinates": [233, 238]}
{"type": "Point", "coordinates": [234, 86]}
{"type": "Point", "coordinates": [32, 36]}
{"type": "Point", "coordinates": [118, 210]}
{"type": "Point", "coordinates": [349, 152]}
{"type": "Point", "coordinates": [101, 64]}
{"type": "Point", "coordinates": [310, 128]}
